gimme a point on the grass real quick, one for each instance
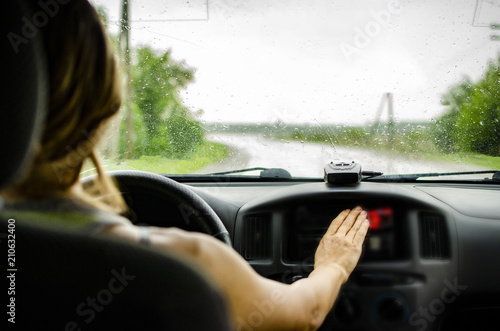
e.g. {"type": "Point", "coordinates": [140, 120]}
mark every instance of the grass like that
{"type": "Point", "coordinates": [416, 145]}
{"type": "Point", "coordinates": [425, 149]}
{"type": "Point", "coordinates": [485, 161]}
{"type": "Point", "coordinates": [208, 152]}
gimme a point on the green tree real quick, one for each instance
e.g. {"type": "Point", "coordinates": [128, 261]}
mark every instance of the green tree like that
{"type": "Point", "coordinates": [472, 120]}
{"type": "Point", "coordinates": [166, 126]}
{"type": "Point", "coordinates": [479, 121]}
{"type": "Point", "coordinates": [160, 124]}
{"type": "Point", "coordinates": [156, 83]}
{"type": "Point", "coordinates": [444, 130]}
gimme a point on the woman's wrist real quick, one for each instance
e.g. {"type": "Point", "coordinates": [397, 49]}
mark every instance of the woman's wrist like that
{"type": "Point", "coordinates": [333, 270]}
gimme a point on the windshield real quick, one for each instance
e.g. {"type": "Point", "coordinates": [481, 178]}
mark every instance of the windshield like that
{"type": "Point", "coordinates": [218, 85]}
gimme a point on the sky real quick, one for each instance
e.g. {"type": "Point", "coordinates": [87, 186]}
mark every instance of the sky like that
{"type": "Point", "coordinates": [317, 61]}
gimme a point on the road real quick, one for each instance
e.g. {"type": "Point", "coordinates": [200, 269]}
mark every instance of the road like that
{"type": "Point", "coordinates": [308, 159]}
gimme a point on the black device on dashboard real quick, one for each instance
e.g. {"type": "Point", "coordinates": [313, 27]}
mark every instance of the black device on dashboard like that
{"type": "Point", "coordinates": [342, 173]}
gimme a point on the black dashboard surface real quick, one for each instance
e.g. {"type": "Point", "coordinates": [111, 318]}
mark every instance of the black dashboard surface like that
{"type": "Point", "coordinates": [432, 262]}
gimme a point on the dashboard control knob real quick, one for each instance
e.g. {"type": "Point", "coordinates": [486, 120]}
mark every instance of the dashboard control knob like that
{"type": "Point", "coordinates": [391, 310]}
{"type": "Point", "coordinates": [347, 310]}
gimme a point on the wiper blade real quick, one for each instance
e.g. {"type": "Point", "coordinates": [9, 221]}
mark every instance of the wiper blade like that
{"type": "Point", "coordinates": [264, 172]}
{"type": "Point", "coordinates": [415, 177]}
{"type": "Point", "coordinates": [370, 174]}
{"type": "Point", "coordinates": [237, 171]}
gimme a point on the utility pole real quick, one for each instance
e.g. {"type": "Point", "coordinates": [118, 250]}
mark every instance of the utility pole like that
{"type": "Point", "coordinates": [376, 125]}
{"type": "Point", "coordinates": [386, 97]}
{"type": "Point", "coordinates": [124, 45]}
{"type": "Point", "coordinates": [390, 126]}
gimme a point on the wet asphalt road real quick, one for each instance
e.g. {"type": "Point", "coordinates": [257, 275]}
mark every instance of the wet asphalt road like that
{"type": "Point", "coordinates": [308, 159]}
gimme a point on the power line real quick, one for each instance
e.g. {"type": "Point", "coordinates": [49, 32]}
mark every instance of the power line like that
{"type": "Point", "coordinates": [167, 20]}
{"type": "Point", "coordinates": [173, 19]}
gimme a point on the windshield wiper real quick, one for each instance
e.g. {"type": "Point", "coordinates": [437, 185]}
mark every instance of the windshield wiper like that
{"type": "Point", "coordinates": [264, 172]}
{"type": "Point", "coordinates": [415, 177]}
{"type": "Point", "coordinates": [266, 175]}
{"type": "Point", "coordinates": [237, 171]}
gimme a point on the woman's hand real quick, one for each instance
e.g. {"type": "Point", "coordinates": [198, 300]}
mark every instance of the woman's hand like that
{"type": "Point", "coordinates": [341, 245]}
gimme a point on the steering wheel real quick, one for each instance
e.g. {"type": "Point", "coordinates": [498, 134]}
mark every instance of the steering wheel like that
{"type": "Point", "coordinates": [159, 193]}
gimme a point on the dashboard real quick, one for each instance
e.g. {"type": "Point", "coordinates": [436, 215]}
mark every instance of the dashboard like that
{"type": "Point", "coordinates": [430, 261]}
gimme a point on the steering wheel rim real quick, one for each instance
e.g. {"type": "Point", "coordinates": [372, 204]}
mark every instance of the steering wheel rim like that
{"type": "Point", "coordinates": [192, 206]}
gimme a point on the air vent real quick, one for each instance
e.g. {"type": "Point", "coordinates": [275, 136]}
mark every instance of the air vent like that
{"type": "Point", "coordinates": [433, 237]}
{"type": "Point", "coordinates": [257, 237]}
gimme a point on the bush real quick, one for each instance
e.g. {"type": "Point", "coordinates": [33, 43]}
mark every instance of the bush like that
{"type": "Point", "coordinates": [184, 134]}
{"type": "Point", "coordinates": [442, 132]}
{"type": "Point", "coordinates": [175, 137]}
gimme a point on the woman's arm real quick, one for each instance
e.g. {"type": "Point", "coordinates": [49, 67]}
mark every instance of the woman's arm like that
{"type": "Point", "coordinates": [258, 303]}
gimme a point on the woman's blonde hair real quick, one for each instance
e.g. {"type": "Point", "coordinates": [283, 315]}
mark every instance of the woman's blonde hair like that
{"type": "Point", "coordinates": [84, 94]}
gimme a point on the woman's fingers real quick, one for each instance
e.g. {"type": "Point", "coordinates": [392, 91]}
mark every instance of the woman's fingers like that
{"type": "Point", "coordinates": [337, 222]}
{"type": "Point", "coordinates": [353, 232]}
{"type": "Point", "coordinates": [349, 221]}
{"type": "Point", "coordinates": [361, 233]}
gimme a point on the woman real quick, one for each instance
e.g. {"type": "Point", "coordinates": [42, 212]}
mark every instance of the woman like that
{"type": "Point", "coordinates": [84, 96]}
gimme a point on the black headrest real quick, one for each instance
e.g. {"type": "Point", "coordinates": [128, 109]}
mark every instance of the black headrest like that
{"type": "Point", "coordinates": [23, 87]}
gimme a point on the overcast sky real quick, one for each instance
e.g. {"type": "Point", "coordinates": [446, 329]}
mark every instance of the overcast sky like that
{"type": "Point", "coordinates": [317, 61]}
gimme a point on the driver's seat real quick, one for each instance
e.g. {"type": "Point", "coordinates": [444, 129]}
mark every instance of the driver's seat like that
{"type": "Point", "coordinates": [63, 280]}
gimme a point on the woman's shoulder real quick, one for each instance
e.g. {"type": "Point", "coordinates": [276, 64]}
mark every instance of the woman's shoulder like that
{"type": "Point", "coordinates": [66, 212]}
